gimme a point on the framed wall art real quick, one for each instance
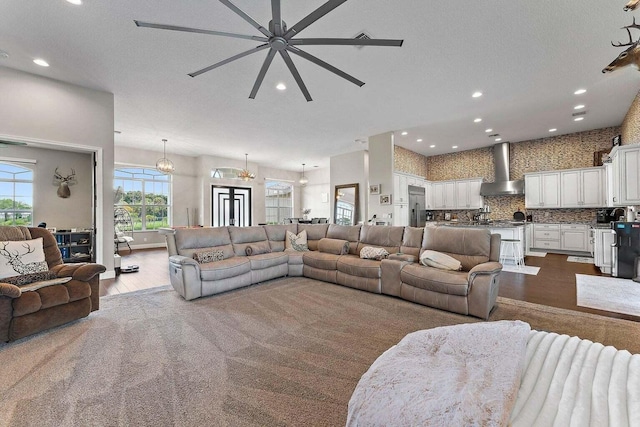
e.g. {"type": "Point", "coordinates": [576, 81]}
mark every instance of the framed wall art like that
{"type": "Point", "coordinates": [385, 199]}
{"type": "Point", "coordinates": [374, 189]}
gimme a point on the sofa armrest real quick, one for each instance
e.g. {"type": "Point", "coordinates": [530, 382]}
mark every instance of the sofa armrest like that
{"type": "Point", "coordinates": [9, 290]}
{"type": "Point", "coordinates": [485, 268]}
{"type": "Point", "coordinates": [81, 271]}
{"type": "Point", "coordinates": [182, 260]}
{"type": "Point", "coordinates": [390, 273]}
{"type": "Point", "coordinates": [484, 283]}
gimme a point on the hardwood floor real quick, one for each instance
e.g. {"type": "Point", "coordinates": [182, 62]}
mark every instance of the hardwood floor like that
{"type": "Point", "coordinates": [555, 284]}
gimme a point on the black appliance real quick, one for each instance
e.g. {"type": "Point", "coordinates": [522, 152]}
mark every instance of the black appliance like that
{"type": "Point", "coordinates": [429, 216]}
{"type": "Point", "coordinates": [604, 216]}
{"type": "Point", "coordinates": [626, 249]}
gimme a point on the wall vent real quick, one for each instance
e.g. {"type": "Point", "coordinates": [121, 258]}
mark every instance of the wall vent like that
{"type": "Point", "coordinates": [581, 113]}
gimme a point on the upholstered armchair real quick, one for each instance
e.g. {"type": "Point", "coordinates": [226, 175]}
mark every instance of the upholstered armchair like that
{"type": "Point", "coordinates": [64, 293]}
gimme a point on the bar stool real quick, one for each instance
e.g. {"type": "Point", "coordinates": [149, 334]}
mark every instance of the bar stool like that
{"type": "Point", "coordinates": [511, 247]}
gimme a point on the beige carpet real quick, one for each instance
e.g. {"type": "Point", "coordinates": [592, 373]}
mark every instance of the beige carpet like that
{"type": "Point", "coordinates": [288, 352]}
{"type": "Point", "coordinates": [608, 294]}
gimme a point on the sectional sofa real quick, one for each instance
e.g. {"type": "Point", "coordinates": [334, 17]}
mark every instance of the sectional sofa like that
{"type": "Point", "coordinates": [250, 255]}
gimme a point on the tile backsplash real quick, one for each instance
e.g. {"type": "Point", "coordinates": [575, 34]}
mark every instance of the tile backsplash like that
{"type": "Point", "coordinates": [631, 125]}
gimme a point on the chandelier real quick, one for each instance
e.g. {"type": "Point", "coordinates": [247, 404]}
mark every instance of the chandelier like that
{"type": "Point", "coordinates": [165, 165]}
{"type": "Point", "coordinates": [244, 174]}
{"type": "Point", "coordinates": [303, 181]}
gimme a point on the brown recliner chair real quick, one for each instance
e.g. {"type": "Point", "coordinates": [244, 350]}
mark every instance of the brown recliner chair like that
{"type": "Point", "coordinates": [32, 311]}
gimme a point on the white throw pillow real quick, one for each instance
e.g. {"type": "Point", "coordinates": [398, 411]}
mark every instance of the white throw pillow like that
{"type": "Point", "coordinates": [439, 260]}
{"type": "Point", "coordinates": [369, 252]}
{"type": "Point", "coordinates": [297, 242]}
{"type": "Point", "coordinates": [22, 257]}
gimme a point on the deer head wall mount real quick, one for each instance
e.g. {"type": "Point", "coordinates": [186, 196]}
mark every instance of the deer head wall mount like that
{"type": "Point", "coordinates": [632, 5]}
{"type": "Point", "coordinates": [63, 183]}
{"type": "Point", "coordinates": [632, 54]}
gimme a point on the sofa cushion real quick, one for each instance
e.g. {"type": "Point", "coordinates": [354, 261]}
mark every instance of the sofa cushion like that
{"type": "Point", "coordinates": [470, 246]}
{"type": "Point", "coordinates": [189, 240]}
{"type": "Point", "coordinates": [230, 267]}
{"type": "Point", "coordinates": [320, 260]}
{"type": "Point", "coordinates": [354, 266]}
{"type": "Point", "coordinates": [333, 246]}
{"type": "Point", "coordinates": [22, 257]}
{"type": "Point", "coordinates": [277, 233]}
{"type": "Point", "coordinates": [296, 242]}
{"type": "Point", "coordinates": [412, 241]}
{"type": "Point", "coordinates": [432, 279]}
{"type": "Point", "coordinates": [315, 232]}
{"type": "Point", "coordinates": [259, 262]}
{"type": "Point", "coordinates": [387, 237]}
{"type": "Point", "coordinates": [369, 252]}
{"type": "Point", "coordinates": [243, 237]}
{"type": "Point", "coordinates": [439, 260]}
{"type": "Point", "coordinates": [295, 258]}
{"type": "Point", "coordinates": [350, 233]}
{"type": "Point", "coordinates": [208, 255]}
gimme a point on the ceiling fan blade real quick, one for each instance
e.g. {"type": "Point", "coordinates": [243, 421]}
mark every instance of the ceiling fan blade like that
{"type": "Point", "coordinates": [198, 30]}
{"type": "Point", "coordinates": [324, 65]}
{"type": "Point", "coordinates": [263, 72]}
{"type": "Point", "coordinates": [296, 74]}
{"type": "Point", "coordinates": [312, 17]}
{"type": "Point", "coordinates": [277, 17]}
{"type": "Point", "coordinates": [8, 142]}
{"type": "Point", "coordinates": [246, 17]}
{"type": "Point", "coordinates": [233, 58]}
{"type": "Point", "coordinates": [347, 42]}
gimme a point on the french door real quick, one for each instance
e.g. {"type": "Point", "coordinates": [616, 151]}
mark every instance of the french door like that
{"type": "Point", "coordinates": [230, 206]}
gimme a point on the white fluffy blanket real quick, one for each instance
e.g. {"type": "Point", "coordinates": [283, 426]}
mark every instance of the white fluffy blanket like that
{"type": "Point", "coordinates": [573, 382]}
{"type": "Point", "coordinates": [463, 375]}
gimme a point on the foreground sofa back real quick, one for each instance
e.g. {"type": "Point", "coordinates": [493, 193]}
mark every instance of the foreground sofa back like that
{"type": "Point", "coordinates": [256, 254]}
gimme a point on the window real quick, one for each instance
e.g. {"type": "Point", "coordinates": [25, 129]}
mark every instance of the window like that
{"type": "Point", "coordinates": [146, 195]}
{"type": "Point", "coordinates": [16, 195]}
{"type": "Point", "coordinates": [279, 201]}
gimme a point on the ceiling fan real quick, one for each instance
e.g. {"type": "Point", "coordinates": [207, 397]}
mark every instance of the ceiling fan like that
{"type": "Point", "coordinates": [280, 39]}
{"type": "Point", "coordinates": [5, 143]}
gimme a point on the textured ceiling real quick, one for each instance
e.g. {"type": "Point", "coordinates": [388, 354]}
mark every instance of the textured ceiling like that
{"type": "Point", "coordinates": [526, 57]}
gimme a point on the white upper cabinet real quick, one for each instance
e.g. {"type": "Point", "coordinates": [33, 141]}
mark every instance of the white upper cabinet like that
{"type": "Point", "coordinates": [629, 162]}
{"type": "Point", "coordinates": [428, 194]}
{"type": "Point", "coordinates": [468, 194]}
{"type": "Point", "coordinates": [542, 190]}
{"type": "Point", "coordinates": [400, 189]}
{"type": "Point", "coordinates": [582, 188]}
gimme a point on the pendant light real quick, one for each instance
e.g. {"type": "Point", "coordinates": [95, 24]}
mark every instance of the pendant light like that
{"type": "Point", "coordinates": [165, 165]}
{"type": "Point", "coordinates": [245, 175]}
{"type": "Point", "coordinates": [303, 180]}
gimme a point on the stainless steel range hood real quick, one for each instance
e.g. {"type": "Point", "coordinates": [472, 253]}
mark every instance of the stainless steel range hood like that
{"type": "Point", "coordinates": [502, 186]}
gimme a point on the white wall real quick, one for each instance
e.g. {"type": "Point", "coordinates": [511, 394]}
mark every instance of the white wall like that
{"type": "Point", "coordinates": [38, 109]}
{"type": "Point", "coordinates": [351, 168]}
{"type": "Point", "coordinates": [72, 212]}
{"type": "Point", "coordinates": [381, 172]}
{"type": "Point", "coordinates": [319, 186]}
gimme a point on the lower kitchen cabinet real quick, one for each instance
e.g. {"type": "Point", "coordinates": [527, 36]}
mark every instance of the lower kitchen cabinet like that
{"type": "Point", "coordinates": [561, 237]}
{"type": "Point", "coordinates": [602, 256]}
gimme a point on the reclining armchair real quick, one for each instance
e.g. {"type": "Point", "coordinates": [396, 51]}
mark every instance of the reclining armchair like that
{"type": "Point", "coordinates": [30, 308]}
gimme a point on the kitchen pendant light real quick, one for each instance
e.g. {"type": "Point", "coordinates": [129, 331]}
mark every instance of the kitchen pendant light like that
{"type": "Point", "coordinates": [244, 174]}
{"type": "Point", "coordinates": [165, 165]}
{"type": "Point", "coordinates": [303, 181]}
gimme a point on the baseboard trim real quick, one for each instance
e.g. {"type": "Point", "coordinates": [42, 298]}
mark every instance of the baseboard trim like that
{"type": "Point", "coordinates": [146, 246]}
{"type": "Point", "coordinates": [109, 274]}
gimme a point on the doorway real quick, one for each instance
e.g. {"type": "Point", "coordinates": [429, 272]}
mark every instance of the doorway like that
{"type": "Point", "coordinates": [230, 206]}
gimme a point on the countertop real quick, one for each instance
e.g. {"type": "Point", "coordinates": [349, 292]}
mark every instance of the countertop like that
{"type": "Point", "coordinates": [496, 224]}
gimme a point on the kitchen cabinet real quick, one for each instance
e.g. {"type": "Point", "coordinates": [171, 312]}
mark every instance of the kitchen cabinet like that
{"type": "Point", "coordinates": [574, 237]}
{"type": "Point", "coordinates": [603, 238]}
{"type": "Point", "coordinates": [546, 236]}
{"type": "Point", "coordinates": [428, 195]}
{"type": "Point", "coordinates": [468, 194]}
{"type": "Point", "coordinates": [629, 175]}
{"type": "Point", "coordinates": [444, 195]}
{"type": "Point", "coordinates": [401, 215]}
{"type": "Point", "coordinates": [582, 188]}
{"type": "Point", "coordinates": [400, 188]}
{"type": "Point", "coordinates": [542, 190]}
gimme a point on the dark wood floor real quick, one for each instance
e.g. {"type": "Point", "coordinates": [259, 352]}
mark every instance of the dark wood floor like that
{"type": "Point", "coordinates": [555, 284]}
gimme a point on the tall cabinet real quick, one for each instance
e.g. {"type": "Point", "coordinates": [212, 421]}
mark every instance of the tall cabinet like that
{"type": "Point", "coordinates": [624, 174]}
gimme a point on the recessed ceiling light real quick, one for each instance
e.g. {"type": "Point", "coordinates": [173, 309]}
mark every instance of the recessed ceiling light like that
{"type": "Point", "coordinates": [281, 86]}
{"type": "Point", "coordinates": [41, 62]}
{"type": "Point", "coordinates": [488, 130]}
{"type": "Point", "coordinates": [477, 94]}
{"type": "Point", "coordinates": [76, 2]}
{"type": "Point", "coordinates": [498, 139]}
{"type": "Point", "coordinates": [553, 130]}
{"type": "Point", "coordinates": [578, 119]}
{"type": "Point", "coordinates": [478, 120]}
{"type": "Point", "coordinates": [578, 107]}
{"type": "Point", "coordinates": [580, 92]}
{"type": "Point", "coordinates": [432, 146]}
{"type": "Point", "coordinates": [405, 133]}
{"type": "Point", "coordinates": [455, 146]}
{"type": "Point", "coordinates": [418, 140]}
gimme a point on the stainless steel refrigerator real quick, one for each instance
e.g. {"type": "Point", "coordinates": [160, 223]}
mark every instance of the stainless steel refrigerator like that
{"type": "Point", "coordinates": [626, 248]}
{"type": "Point", "coordinates": [417, 205]}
